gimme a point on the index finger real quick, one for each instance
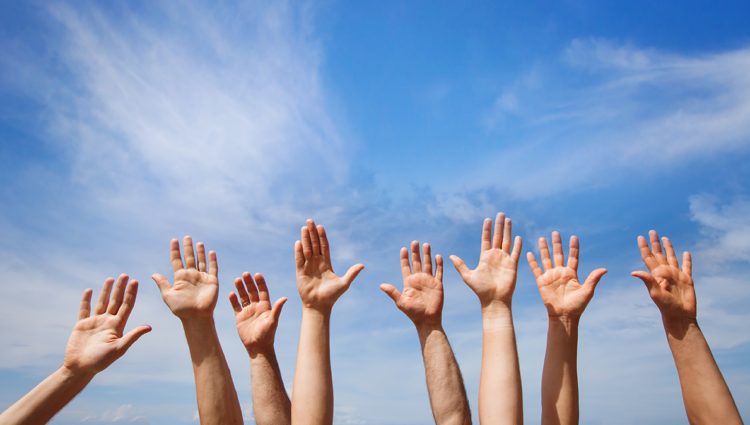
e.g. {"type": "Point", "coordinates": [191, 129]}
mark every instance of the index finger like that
{"type": "Point", "coordinates": [646, 254]}
{"type": "Point", "coordinates": [174, 253]}
{"type": "Point", "coordinates": [497, 238]}
{"type": "Point", "coordinates": [405, 267]}
{"type": "Point", "coordinates": [128, 303]}
{"type": "Point", "coordinates": [187, 244]}
{"type": "Point", "coordinates": [573, 254]}
{"type": "Point", "coordinates": [557, 250]}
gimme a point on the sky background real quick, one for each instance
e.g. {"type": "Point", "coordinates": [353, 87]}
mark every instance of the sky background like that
{"type": "Point", "coordinates": [126, 124]}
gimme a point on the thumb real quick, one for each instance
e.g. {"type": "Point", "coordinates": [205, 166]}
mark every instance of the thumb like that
{"type": "Point", "coordinates": [594, 278]}
{"type": "Point", "coordinates": [461, 267]}
{"type": "Point", "coordinates": [391, 291]}
{"type": "Point", "coordinates": [352, 273]}
{"type": "Point", "coordinates": [131, 337]}
{"type": "Point", "coordinates": [161, 282]}
{"type": "Point", "coordinates": [646, 278]}
{"type": "Point", "coordinates": [276, 309]}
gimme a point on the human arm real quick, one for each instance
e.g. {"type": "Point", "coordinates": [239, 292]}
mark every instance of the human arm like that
{"type": "Point", "coordinates": [494, 280]}
{"type": "Point", "coordinates": [256, 325]}
{"type": "Point", "coordinates": [566, 299]}
{"type": "Point", "coordinates": [96, 342]}
{"type": "Point", "coordinates": [319, 288]}
{"type": "Point", "coordinates": [422, 302]}
{"type": "Point", "coordinates": [705, 393]}
{"type": "Point", "coordinates": [192, 299]}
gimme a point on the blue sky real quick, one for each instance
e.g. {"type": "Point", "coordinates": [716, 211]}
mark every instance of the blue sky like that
{"type": "Point", "coordinates": [124, 125]}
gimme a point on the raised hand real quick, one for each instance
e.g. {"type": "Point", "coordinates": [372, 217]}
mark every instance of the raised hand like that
{"type": "Point", "coordinates": [494, 279]}
{"type": "Point", "coordinates": [97, 339]}
{"type": "Point", "coordinates": [195, 290]}
{"type": "Point", "coordinates": [256, 319]}
{"type": "Point", "coordinates": [422, 299]}
{"type": "Point", "coordinates": [670, 287]}
{"type": "Point", "coordinates": [561, 292]}
{"type": "Point", "coordinates": [318, 285]}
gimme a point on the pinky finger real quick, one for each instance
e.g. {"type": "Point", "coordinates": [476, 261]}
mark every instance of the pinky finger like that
{"type": "Point", "coordinates": [235, 303]}
{"type": "Point", "coordinates": [85, 309]}
{"type": "Point", "coordinates": [534, 265]}
{"type": "Point", "coordinates": [687, 264]}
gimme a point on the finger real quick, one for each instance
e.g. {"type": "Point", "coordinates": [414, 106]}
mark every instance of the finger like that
{"type": "Point", "coordinates": [299, 256]}
{"type": "Point", "coordinates": [497, 238]}
{"type": "Point", "coordinates": [85, 310]}
{"type": "Point", "coordinates": [405, 267]}
{"type": "Point", "coordinates": [213, 264]}
{"type": "Point", "coordinates": [517, 247]}
{"type": "Point", "coordinates": [461, 267]}
{"type": "Point", "coordinates": [118, 293]}
{"type": "Point", "coordinates": [427, 259]}
{"type": "Point", "coordinates": [534, 265]}
{"type": "Point", "coordinates": [306, 243]}
{"type": "Point", "coordinates": [187, 246]}
{"type": "Point", "coordinates": [174, 253]}
{"type": "Point", "coordinates": [129, 302]}
{"type": "Point", "coordinates": [241, 292]}
{"type": "Point", "coordinates": [646, 278]}
{"type": "Point", "coordinates": [236, 307]}
{"type": "Point", "coordinates": [557, 250]}
{"type": "Point", "coordinates": [544, 252]}
{"type": "Point", "coordinates": [325, 249]}
{"type": "Point", "coordinates": [276, 309]}
{"type": "Point", "coordinates": [415, 260]}
{"type": "Point", "coordinates": [687, 264]}
{"type": "Point", "coordinates": [391, 291]}
{"type": "Point", "coordinates": [439, 267]}
{"type": "Point", "coordinates": [201, 250]}
{"type": "Point", "coordinates": [573, 254]}
{"type": "Point", "coordinates": [131, 337]}
{"type": "Point", "coordinates": [594, 278]}
{"type": "Point", "coordinates": [103, 301]}
{"type": "Point", "coordinates": [486, 234]}
{"type": "Point", "coordinates": [260, 281]}
{"type": "Point", "coordinates": [671, 256]}
{"type": "Point", "coordinates": [352, 273]}
{"type": "Point", "coordinates": [507, 236]}
{"type": "Point", "coordinates": [162, 283]}
{"type": "Point", "coordinates": [251, 289]}
{"type": "Point", "coordinates": [314, 238]}
{"type": "Point", "coordinates": [655, 245]}
{"type": "Point", "coordinates": [646, 254]}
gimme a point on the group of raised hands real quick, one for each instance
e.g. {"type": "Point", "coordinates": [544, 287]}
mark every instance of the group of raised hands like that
{"type": "Point", "coordinates": [98, 337]}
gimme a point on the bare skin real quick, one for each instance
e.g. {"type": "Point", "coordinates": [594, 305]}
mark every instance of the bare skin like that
{"type": "Point", "coordinates": [256, 325]}
{"type": "Point", "coordinates": [319, 288]}
{"type": "Point", "coordinates": [566, 299]}
{"type": "Point", "coordinates": [705, 393]}
{"type": "Point", "coordinates": [96, 342]}
{"type": "Point", "coordinates": [192, 299]}
{"type": "Point", "coordinates": [422, 302]}
{"type": "Point", "coordinates": [494, 280]}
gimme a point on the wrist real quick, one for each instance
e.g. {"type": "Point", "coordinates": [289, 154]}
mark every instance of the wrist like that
{"type": "Point", "coordinates": [317, 311]}
{"type": "Point", "coordinates": [567, 322]}
{"type": "Point", "coordinates": [198, 322]}
{"type": "Point", "coordinates": [678, 324]}
{"type": "Point", "coordinates": [69, 374]}
{"type": "Point", "coordinates": [497, 309]}
{"type": "Point", "coordinates": [260, 351]}
{"type": "Point", "coordinates": [427, 326]}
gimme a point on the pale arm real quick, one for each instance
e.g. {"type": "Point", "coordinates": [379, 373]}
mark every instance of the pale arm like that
{"type": "Point", "coordinates": [192, 299]}
{"type": "Point", "coordinates": [256, 324]}
{"type": "Point", "coordinates": [422, 302]}
{"type": "Point", "coordinates": [705, 393]}
{"type": "Point", "coordinates": [96, 342]}
{"type": "Point", "coordinates": [494, 280]}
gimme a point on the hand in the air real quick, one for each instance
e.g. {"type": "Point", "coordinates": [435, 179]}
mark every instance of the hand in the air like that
{"type": "Point", "coordinates": [97, 339]}
{"type": "Point", "coordinates": [256, 319]}
{"type": "Point", "coordinates": [195, 290]}
{"type": "Point", "coordinates": [670, 287]}
{"type": "Point", "coordinates": [561, 292]}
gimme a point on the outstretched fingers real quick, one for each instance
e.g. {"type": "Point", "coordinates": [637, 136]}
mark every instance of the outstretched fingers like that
{"type": "Point", "coordinates": [174, 254]}
{"type": "Point", "coordinates": [687, 264]}
{"type": "Point", "coordinates": [557, 250]}
{"type": "Point", "coordinates": [299, 255]}
{"type": "Point", "coordinates": [594, 278]}
{"type": "Point", "coordinates": [325, 248]}
{"type": "Point", "coordinates": [655, 244]}
{"type": "Point", "coordinates": [391, 291]}
{"type": "Point", "coordinates": [646, 278]}
{"type": "Point", "coordinates": [415, 260]}
{"type": "Point", "coordinates": [213, 264]}
{"type": "Point", "coordinates": [461, 267]}
{"type": "Point", "coordinates": [507, 235]}
{"type": "Point", "coordinates": [245, 291]}
{"type": "Point", "coordinates": [671, 257]}
{"type": "Point", "coordinates": [85, 310]}
{"type": "Point", "coordinates": [103, 301]}
{"type": "Point", "coordinates": [260, 281]}
{"type": "Point", "coordinates": [118, 293]}
{"type": "Point", "coordinates": [427, 259]}
{"type": "Point", "coordinates": [131, 337]}
{"type": "Point", "coordinates": [544, 253]}
{"type": "Point", "coordinates": [352, 273]}
{"type": "Point", "coordinates": [573, 254]}
{"type": "Point", "coordinates": [534, 265]}
{"type": "Point", "coordinates": [439, 268]}
{"type": "Point", "coordinates": [497, 238]}
{"type": "Point", "coordinates": [487, 234]}
{"type": "Point", "coordinates": [517, 247]}
{"type": "Point", "coordinates": [276, 309]}
{"type": "Point", "coordinates": [201, 251]}
{"type": "Point", "coordinates": [314, 238]}
{"type": "Point", "coordinates": [129, 302]}
{"type": "Point", "coordinates": [236, 307]}
{"type": "Point", "coordinates": [187, 245]}
{"type": "Point", "coordinates": [646, 254]}
{"type": "Point", "coordinates": [162, 283]}
{"type": "Point", "coordinates": [405, 267]}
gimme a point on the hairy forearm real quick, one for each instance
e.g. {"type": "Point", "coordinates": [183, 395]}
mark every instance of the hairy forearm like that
{"type": "Point", "coordinates": [271, 403]}
{"type": "Point", "coordinates": [217, 398]}
{"type": "Point", "coordinates": [500, 394]}
{"type": "Point", "coordinates": [560, 375]}
{"type": "Point", "coordinates": [46, 399]}
{"type": "Point", "coordinates": [313, 384]}
{"type": "Point", "coordinates": [704, 391]}
{"type": "Point", "coordinates": [444, 382]}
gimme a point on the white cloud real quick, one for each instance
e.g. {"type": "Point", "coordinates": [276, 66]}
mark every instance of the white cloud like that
{"type": "Point", "coordinates": [726, 228]}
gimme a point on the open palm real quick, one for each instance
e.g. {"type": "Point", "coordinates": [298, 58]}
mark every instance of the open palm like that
{"type": "Point", "coordinates": [670, 287]}
{"type": "Point", "coordinates": [561, 291]}
{"type": "Point", "coordinates": [256, 318]}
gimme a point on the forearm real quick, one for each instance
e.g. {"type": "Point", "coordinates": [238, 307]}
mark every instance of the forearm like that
{"type": "Point", "coordinates": [500, 394]}
{"type": "Point", "coordinates": [217, 398]}
{"type": "Point", "coordinates": [444, 382]}
{"type": "Point", "coordinates": [313, 384]}
{"type": "Point", "coordinates": [704, 391]}
{"type": "Point", "coordinates": [46, 399]}
{"type": "Point", "coordinates": [271, 403]}
{"type": "Point", "coordinates": [560, 375]}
